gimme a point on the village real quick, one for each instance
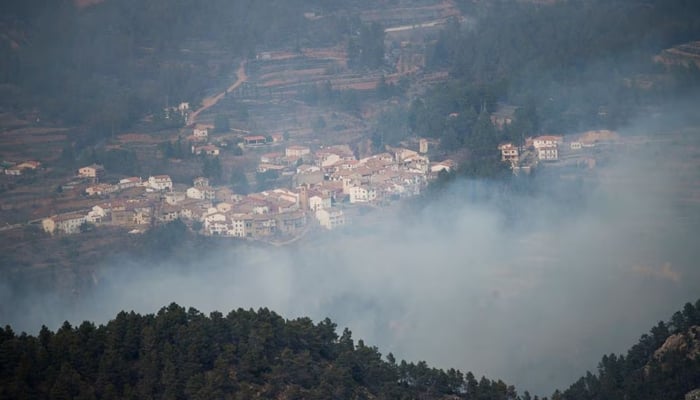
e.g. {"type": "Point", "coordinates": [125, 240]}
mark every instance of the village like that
{"type": "Point", "coordinates": [324, 170]}
{"type": "Point", "coordinates": [328, 185]}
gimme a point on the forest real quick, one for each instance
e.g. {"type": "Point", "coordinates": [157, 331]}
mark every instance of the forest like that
{"type": "Point", "coordinates": [181, 353]}
{"type": "Point", "coordinates": [566, 67]}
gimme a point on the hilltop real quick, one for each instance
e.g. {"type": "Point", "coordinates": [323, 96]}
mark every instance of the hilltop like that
{"type": "Point", "coordinates": [182, 353]}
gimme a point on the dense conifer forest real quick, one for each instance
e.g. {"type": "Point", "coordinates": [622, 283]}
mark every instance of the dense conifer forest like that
{"type": "Point", "coordinates": [181, 353]}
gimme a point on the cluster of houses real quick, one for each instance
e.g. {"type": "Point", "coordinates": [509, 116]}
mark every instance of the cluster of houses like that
{"type": "Point", "coordinates": [19, 168]}
{"type": "Point", "coordinates": [199, 140]}
{"type": "Point", "coordinates": [326, 183]}
{"type": "Point", "coordinates": [548, 148]}
{"type": "Point", "coordinates": [201, 143]}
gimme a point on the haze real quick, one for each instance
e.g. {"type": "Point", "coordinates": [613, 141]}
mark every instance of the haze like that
{"type": "Point", "coordinates": [535, 299]}
{"type": "Point", "coordinates": [532, 287]}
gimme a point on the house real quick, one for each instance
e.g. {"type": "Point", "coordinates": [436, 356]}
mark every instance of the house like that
{"type": "Point", "coordinates": [261, 226]}
{"type": "Point", "coordinates": [416, 162]}
{"type": "Point", "coordinates": [238, 223]}
{"type": "Point", "coordinates": [401, 154]}
{"type": "Point", "coordinates": [200, 182]}
{"type": "Point", "coordinates": [169, 213]}
{"type": "Point", "coordinates": [160, 182]}
{"type": "Point", "coordinates": [200, 132]}
{"type": "Point", "coordinates": [126, 183]}
{"type": "Point", "coordinates": [93, 171]}
{"type": "Point", "coordinates": [362, 194]}
{"type": "Point", "coordinates": [196, 193]}
{"type": "Point", "coordinates": [142, 215]}
{"type": "Point", "coordinates": [174, 198]}
{"type": "Point", "coordinates": [96, 215]}
{"type": "Point", "coordinates": [319, 202]}
{"type": "Point", "coordinates": [547, 153]}
{"type": "Point", "coordinates": [66, 223]}
{"type": "Point", "coordinates": [224, 207]}
{"type": "Point", "coordinates": [547, 141]}
{"type": "Point", "coordinates": [329, 159]}
{"type": "Point", "coordinates": [13, 171]}
{"type": "Point", "coordinates": [297, 151]}
{"type": "Point", "coordinates": [254, 140]}
{"type": "Point", "coordinates": [287, 195]}
{"type": "Point", "coordinates": [290, 222]}
{"type": "Point", "coordinates": [331, 219]}
{"type": "Point", "coordinates": [101, 189]}
{"type": "Point", "coordinates": [576, 145]}
{"type": "Point", "coordinates": [209, 150]}
{"type": "Point", "coordinates": [192, 212]}
{"type": "Point", "coordinates": [509, 152]}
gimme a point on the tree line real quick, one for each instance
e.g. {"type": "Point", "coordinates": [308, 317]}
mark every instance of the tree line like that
{"type": "Point", "coordinates": [179, 353]}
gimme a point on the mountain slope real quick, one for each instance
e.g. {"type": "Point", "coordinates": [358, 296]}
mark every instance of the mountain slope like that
{"type": "Point", "coordinates": [665, 364]}
{"type": "Point", "coordinates": [180, 353]}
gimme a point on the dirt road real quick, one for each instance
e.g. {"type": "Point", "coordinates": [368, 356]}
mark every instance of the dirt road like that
{"type": "Point", "coordinates": [210, 101]}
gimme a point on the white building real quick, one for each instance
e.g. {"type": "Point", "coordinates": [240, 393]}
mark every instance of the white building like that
{"type": "Point", "coordinates": [200, 132]}
{"type": "Point", "coordinates": [548, 153]}
{"type": "Point", "coordinates": [91, 171]}
{"type": "Point", "coordinates": [215, 222]}
{"type": "Point", "coordinates": [101, 189]}
{"type": "Point", "coordinates": [195, 193]}
{"type": "Point", "coordinates": [547, 141]}
{"type": "Point", "coordinates": [509, 152]}
{"type": "Point", "coordinates": [130, 182]}
{"type": "Point", "coordinates": [362, 194]}
{"type": "Point", "coordinates": [67, 223]}
{"type": "Point", "coordinates": [330, 219]}
{"type": "Point", "coordinates": [160, 182]}
{"type": "Point", "coordinates": [237, 226]}
{"type": "Point", "coordinates": [96, 215]}
{"type": "Point", "coordinates": [317, 202]}
{"type": "Point", "coordinates": [200, 182]}
{"type": "Point", "coordinates": [209, 150]}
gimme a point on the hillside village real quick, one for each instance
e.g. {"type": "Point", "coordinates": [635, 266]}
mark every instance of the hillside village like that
{"type": "Point", "coordinates": [320, 156]}
{"type": "Point", "coordinates": [328, 183]}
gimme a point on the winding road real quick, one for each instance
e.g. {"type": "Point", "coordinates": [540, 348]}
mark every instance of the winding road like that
{"type": "Point", "coordinates": [212, 100]}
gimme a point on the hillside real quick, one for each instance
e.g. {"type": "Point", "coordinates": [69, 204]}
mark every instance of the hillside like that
{"type": "Point", "coordinates": [665, 364]}
{"type": "Point", "coordinates": [179, 353]}
{"type": "Point", "coordinates": [107, 65]}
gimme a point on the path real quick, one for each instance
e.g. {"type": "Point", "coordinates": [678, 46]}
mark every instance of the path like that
{"type": "Point", "coordinates": [212, 100]}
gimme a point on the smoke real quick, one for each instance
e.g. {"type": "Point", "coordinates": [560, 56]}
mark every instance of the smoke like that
{"type": "Point", "coordinates": [532, 288]}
